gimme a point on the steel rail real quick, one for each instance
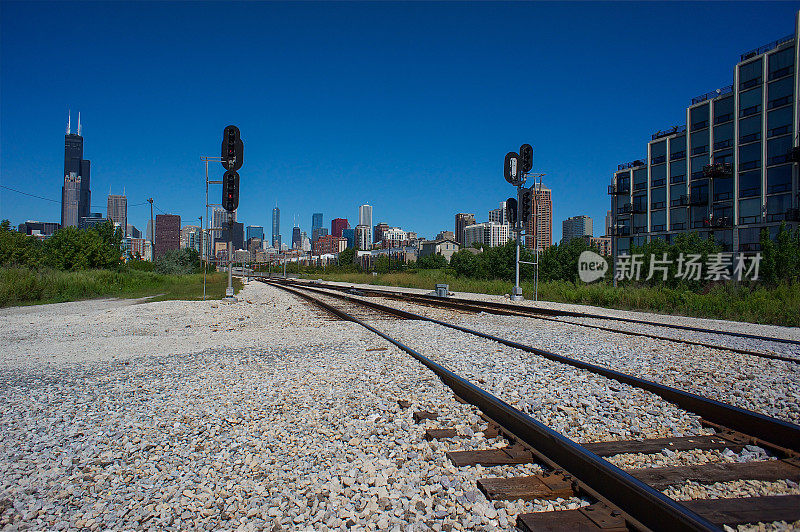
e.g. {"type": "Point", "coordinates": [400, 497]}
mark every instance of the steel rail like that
{"type": "Point", "coordinates": [645, 505]}
{"type": "Point", "coordinates": [552, 312]}
{"type": "Point", "coordinates": [777, 432]}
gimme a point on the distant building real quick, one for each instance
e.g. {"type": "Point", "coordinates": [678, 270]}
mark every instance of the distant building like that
{"type": "Point", "coordinates": [253, 246]}
{"type": "Point", "coordinates": [446, 235]}
{"type": "Point", "coordinates": [295, 237]}
{"type": "Point", "coordinates": [393, 237]}
{"type": "Point", "coordinates": [76, 198]}
{"type": "Point", "coordinates": [305, 242]}
{"type": "Point", "coordinates": [117, 210]}
{"type": "Point", "coordinates": [576, 227]}
{"type": "Point", "coordinates": [255, 231]}
{"type": "Point", "coordinates": [489, 234]}
{"type": "Point", "coordinates": [609, 223]}
{"type": "Point", "coordinates": [349, 234]}
{"type": "Point", "coordinates": [338, 225]}
{"type": "Point", "coordinates": [94, 219]}
{"type": "Point", "coordinates": [462, 221]}
{"type": "Point", "coordinates": [133, 232]}
{"type": "Point", "coordinates": [365, 219]}
{"type": "Point", "coordinates": [149, 230]}
{"type": "Point", "coordinates": [499, 215]}
{"type": "Point", "coordinates": [318, 232]}
{"type": "Point", "coordinates": [139, 248]}
{"type": "Point", "coordinates": [276, 227]}
{"type": "Point", "coordinates": [39, 229]}
{"type": "Point", "coordinates": [186, 235]}
{"type": "Point", "coordinates": [168, 233]}
{"type": "Point", "coordinates": [329, 244]}
{"type": "Point", "coordinates": [362, 240]}
{"type": "Point", "coordinates": [445, 248]}
{"type": "Point", "coordinates": [540, 226]}
{"type": "Point", "coordinates": [316, 225]}
{"type": "Point", "coordinates": [602, 243]}
{"type": "Point", "coordinates": [377, 234]}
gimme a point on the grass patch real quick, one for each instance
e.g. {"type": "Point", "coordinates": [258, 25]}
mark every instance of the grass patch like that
{"type": "Point", "coordinates": [756, 304]}
{"type": "Point", "coordinates": [24, 286]}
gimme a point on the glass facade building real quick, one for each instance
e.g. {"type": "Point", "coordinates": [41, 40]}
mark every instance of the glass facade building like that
{"type": "Point", "coordinates": [731, 171]}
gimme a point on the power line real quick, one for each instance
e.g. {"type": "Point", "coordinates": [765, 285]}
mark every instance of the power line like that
{"type": "Point", "coordinates": [59, 201]}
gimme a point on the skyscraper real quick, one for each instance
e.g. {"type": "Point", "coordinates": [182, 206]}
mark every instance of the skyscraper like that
{"type": "Point", "coordinates": [255, 231]}
{"type": "Point", "coordinates": [365, 218]}
{"type": "Point", "coordinates": [168, 233]}
{"type": "Point", "coordinates": [338, 225]}
{"type": "Point", "coordinates": [295, 237]}
{"type": "Point", "coordinates": [540, 225]}
{"type": "Point", "coordinates": [463, 220]}
{"type": "Point", "coordinates": [576, 227]}
{"type": "Point", "coordinates": [276, 228]}
{"type": "Point", "coordinates": [118, 211]}
{"type": "Point", "coordinates": [75, 194]}
{"type": "Point", "coordinates": [316, 223]}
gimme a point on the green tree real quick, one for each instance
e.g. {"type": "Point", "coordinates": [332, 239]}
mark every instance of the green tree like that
{"type": "Point", "coordinates": [382, 264]}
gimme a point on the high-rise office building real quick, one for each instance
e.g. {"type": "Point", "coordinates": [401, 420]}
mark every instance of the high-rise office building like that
{"type": "Point", "coordinates": [362, 237]}
{"type": "Point", "coordinates": [189, 233]}
{"type": "Point", "coordinates": [76, 197]}
{"type": "Point", "coordinates": [295, 237]}
{"type": "Point", "coordinates": [276, 228]}
{"type": "Point", "coordinates": [462, 221]}
{"type": "Point", "coordinates": [728, 175]}
{"type": "Point", "coordinates": [117, 211]}
{"type": "Point", "coordinates": [93, 220]}
{"type": "Point", "coordinates": [255, 231]}
{"type": "Point", "coordinates": [576, 227]}
{"type": "Point", "coordinates": [490, 234]}
{"type": "Point", "coordinates": [609, 223]}
{"type": "Point", "coordinates": [377, 234]}
{"type": "Point", "coordinates": [540, 225]}
{"type": "Point", "coordinates": [316, 225]}
{"type": "Point", "coordinates": [40, 229]}
{"type": "Point", "coordinates": [318, 233]}
{"type": "Point", "coordinates": [365, 218]}
{"type": "Point", "coordinates": [338, 225]}
{"type": "Point", "coordinates": [499, 215]}
{"type": "Point", "coordinates": [349, 234]}
{"type": "Point", "coordinates": [168, 233]}
{"type": "Point", "coordinates": [149, 231]}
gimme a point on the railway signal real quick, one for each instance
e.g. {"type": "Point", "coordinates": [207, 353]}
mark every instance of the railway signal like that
{"type": "Point", "coordinates": [230, 190]}
{"type": "Point", "coordinates": [526, 199]}
{"type": "Point", "coordinates": [511, 168]}
{"type": "Point", "coordinates": [232, 148]}
{"type": "Point", "coordinates": [511, 211]}
{"type": "Point", "coordinates": [526, 158]}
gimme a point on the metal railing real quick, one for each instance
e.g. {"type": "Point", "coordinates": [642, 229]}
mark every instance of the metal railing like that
{"type": "Point", "coordinates": [766, 48]}
{"type": "Point", "coordinates": [667, 132]}
{"type": "Point", "coordinates": [713, 94]}
{"type": "Point", "coordinates": [632, 164]}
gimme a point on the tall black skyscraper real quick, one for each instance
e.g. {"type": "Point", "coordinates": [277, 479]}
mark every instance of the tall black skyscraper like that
{"type": "Point", "coordinates": [75, 194]}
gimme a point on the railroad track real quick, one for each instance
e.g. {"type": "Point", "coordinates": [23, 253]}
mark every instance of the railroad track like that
{"type": "Point", "coordinates": [509, 309]}
{"type": "Point", "coordinates": [625, 500]}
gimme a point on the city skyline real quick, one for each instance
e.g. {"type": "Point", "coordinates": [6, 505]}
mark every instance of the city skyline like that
{"type": "Point", "coordinates": [123, 152]}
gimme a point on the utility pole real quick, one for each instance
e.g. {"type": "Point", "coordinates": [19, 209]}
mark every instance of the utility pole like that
{"type": "Point", "coordinates": [153, 229]}
{"type": "Point", "coordinates": [202, 255]}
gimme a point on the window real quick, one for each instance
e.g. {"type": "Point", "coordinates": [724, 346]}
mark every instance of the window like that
{"type": "Point", "coordinates": [780, 93]}
{"type": "Point", "coordinates": [658, 152]}
{"type": "Point", "coordinates": [750, 74]}
{"type": "Point", "coordinates": [723, 156]}
{"type": "Point", "coordinates": [779, 122]}
{"type": "Point", "coordinates": [779, 179]}
{"type": "Point", "coordinates": [677, 171]}
{"type": "Point", "coordinates": [677, 216]}
{"type": "Point", "coordinates": [640, 203]}
{"type": "Point", "coordinates": [699, 143]}
{"type": "Point", "coordinates": [658, 198]}
{"type": "Point", "coordinates": [658, 220]}
{"type": "Point", "coordinates": [658, 175]}
{"type": "Point", "coordinates": [677, 147]}
{"type": "Point", "coordinates": [723, 136]}
{"type": "Point", "coordinates": [778, 150]}
{"type": "Point", "coordinates": [723, 188]}
{"type": "Point", "coordinates": [640, 176]}
{"type": "Point", "coordinates": [697, 166]}
{"type": "Point", "coordinates": [699, 117]}
{"type": "Point", "coordinates": [781, 63]}
{"type": "Point", "coordinates": [750, 237]}
{"type": "Point", "coordinates": [675, 193]}
{"type": "Point", "coordinates": [750, 129]}
{"type": "Point", "coordinates": [777, 206]}
{"type": "Point", "coordinates": [723, 110]}
{"type": "Point", "coordinates": [750, 102]}
{"type": "Point", "coordinates": [750, 184]}
{"type": "Point", "coordinates": [750, 156]}
{"type": "Point", "coordinates": [750, 211]}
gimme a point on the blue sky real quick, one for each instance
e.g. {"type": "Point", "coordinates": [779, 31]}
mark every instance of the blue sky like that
{"type": "Point", "coordinates": [408, 107]}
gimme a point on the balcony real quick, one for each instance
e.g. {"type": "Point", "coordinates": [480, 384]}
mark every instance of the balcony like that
{"type": "Point", "coordinates": [623, 230]}
{"type": "Point", "coordinates": [625, 209]}
{"type": "Point", "coordinates": [619, 189]}
{"type": "Point", "coordinates": [766, 48]}
{"type": "Point", "coordinates": [790, 215]}
{"type": "Point", "coordinates": [698, 199]}
{"type": "Point", "coordinates": [632, 164]}
{"type": "Point", "coordinates": [681, 201]}
{"type": "Point", "coordinates": [667, 132]}
{"type": "Point", "coordinates": [718, 170]}
{"type": "Point", "coordinates": [721, 221]}
{"type": "Point", "coordinates": [712, 94]}
{"type": "Point", "coordinates": [753, 246]}
{"type": "Point", "coordinates": [641, 229]}
{"type": "Point", "coordinates": [639, 208]}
